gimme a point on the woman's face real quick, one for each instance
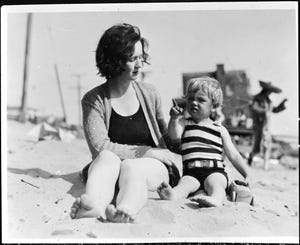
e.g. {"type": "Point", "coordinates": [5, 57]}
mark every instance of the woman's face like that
{"type": "Point", "coordinates": [134, 65]}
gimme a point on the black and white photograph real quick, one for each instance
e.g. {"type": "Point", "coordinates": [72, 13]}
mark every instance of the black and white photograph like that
{"type": "Point", "coordinates": [150, 122]}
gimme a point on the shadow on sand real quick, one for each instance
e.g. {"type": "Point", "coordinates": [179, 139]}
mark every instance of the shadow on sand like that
{"type": "Point", "coordinates": [77, 186]}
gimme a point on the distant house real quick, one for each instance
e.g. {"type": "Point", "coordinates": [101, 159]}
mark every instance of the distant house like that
{"type": "Point", "coordinates": [235, 86]}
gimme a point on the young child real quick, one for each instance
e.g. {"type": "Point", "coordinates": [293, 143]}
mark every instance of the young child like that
{"type": "Point", "coordinates": [203, 143]}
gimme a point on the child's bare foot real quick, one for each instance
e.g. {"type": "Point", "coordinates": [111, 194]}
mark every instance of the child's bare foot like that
{"type": "Point", "coordinates": [206, 201]}
{"type": "Point", "coordinates": [83, 207]}
{"type": "Point", "coordinates": [118, 215]}
{"type": "Point", "coordinates": [166, 192]}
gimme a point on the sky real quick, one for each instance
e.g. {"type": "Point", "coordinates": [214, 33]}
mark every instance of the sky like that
{"type": "Point", "coordinates": [260, 38]}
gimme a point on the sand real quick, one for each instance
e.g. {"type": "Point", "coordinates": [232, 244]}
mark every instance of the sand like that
{"type": "Point", "coordinates": [42, 183]}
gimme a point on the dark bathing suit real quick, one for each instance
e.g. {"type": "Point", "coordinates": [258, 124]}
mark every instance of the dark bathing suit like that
{"type": "Point", "coordinates": [133, 130]}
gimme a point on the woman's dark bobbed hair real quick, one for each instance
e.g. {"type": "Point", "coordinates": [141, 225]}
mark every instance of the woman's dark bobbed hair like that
{"type": "Point", "coordinates": [116, 46]}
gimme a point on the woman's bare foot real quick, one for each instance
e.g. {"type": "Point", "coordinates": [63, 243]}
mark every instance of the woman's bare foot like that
{"type": "Point", "coordinates": [206, 201]}
{"type": "Point", "coordinates": [166, 192]}
{"type": "Point", "coordinates": [118, 215]}
{"type": "Point", "coordinates": [83, 207]}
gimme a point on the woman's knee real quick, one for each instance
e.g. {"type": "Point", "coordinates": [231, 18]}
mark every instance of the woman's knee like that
{"type": "Point", "coordinates": [107, 158]}
{"type": "Point", "coordinates": [145, 170]}
{"type": "Point", "coordinates": [128, 166]}
{"type": "Point", "coordinates": [131, 170]}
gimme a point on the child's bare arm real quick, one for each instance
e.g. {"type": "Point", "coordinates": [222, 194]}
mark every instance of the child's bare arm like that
{"type": "Point", "coordinates": [176, 123]}
{"type": "Point", "coordinates": [233, 155]}
{"type": "Point", "coordinates": [175, 128]}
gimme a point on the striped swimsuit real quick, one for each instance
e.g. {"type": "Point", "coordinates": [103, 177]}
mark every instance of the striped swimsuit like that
{"type": "Point", "coordinates": [202, 142]}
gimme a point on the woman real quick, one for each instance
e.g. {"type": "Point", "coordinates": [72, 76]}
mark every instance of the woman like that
{"type": "Point", "coordinates": [125, 131]}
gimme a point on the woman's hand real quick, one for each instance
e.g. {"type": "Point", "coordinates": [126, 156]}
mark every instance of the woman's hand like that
{"type": "Point", "coordinates": [165, 156]}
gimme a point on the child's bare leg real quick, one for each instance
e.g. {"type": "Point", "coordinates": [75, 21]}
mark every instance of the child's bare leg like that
{"type": "Point", "coordinates": [187, 184]}
{"type": "Point", "coordinates": [100, 187]}
{"type": "Point", "coordinates": [136, 178]}
{"type": "Point", "coordinates": [214, 185]}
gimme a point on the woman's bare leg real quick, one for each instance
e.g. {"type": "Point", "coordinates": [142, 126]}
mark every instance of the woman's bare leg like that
{"type": "Point", "coordinates": [214, 185]}
{"type": "Point", "coordinates": [187, 184]}
{"type": "Point", "coordinates": [137, 177]}
{"type": "Point", "coordinates": [100, 187]}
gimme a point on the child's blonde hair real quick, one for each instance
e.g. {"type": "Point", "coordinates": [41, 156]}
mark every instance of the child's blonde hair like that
{"type": "Point", "coordinates": [210, 86]}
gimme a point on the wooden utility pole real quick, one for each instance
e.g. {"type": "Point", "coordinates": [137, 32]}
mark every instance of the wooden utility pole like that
{"type": "Point", "coordinates": [22, 115]}
{"type": "Point", "coordinates": [57, 76]}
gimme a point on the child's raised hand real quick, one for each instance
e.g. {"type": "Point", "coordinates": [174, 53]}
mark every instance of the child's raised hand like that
{"type": "Point", "coordinates": [175, 111]}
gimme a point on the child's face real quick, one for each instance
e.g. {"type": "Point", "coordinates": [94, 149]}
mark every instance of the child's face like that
{"type": "Point", "coordinates": [199, 105]}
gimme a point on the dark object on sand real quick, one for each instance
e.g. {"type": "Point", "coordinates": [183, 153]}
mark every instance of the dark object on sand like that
{"type": "Point", "coordinates": [240, 192]}
{"type": "Point", "coordinates": [29, 183]}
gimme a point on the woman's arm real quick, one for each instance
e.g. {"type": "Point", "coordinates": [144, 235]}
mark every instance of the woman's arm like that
{"type": "Point", "coordinates": [233, 155]}
{"type": "Point", "coordinates": [171, 155]}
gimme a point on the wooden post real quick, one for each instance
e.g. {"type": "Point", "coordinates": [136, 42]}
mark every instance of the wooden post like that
{"type": "Point", "coordinates": [57, 77]}
{"type": "Point", "coordinates": [22, 116]}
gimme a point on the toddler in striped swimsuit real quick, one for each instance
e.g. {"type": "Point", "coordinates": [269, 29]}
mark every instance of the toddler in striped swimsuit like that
{"type": "Point", "coordinates": [203, 145]}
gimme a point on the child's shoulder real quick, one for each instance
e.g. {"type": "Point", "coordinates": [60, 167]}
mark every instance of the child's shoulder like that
{"type": "Point", "coordinates": [217, 124]}
{"type": "Point", "coordinates": [223, 130]}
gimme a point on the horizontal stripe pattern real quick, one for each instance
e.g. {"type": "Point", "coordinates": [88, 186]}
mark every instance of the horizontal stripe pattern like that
{"type": "Point", "coordinates": [204, 129]}
{"type": "Point", "coordinates": [202, 134]}
{"type": "Point", "coordinates": [201, 142]}
{"type": "Point", "coordinates": [201, 149]}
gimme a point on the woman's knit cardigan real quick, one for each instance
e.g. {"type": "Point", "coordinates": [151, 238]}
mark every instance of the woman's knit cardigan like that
{"type": "Point", "coordinates": [96, 108]}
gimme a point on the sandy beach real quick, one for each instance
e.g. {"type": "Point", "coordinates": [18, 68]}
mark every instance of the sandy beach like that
{"type": "Point", "coordinates": [42, 183]}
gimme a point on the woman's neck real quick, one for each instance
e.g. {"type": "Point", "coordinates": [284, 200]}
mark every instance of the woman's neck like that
{"type": "Point", "coordinates": [123, 97]}
{"type": "Point", "coordinates": [118, 86]}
